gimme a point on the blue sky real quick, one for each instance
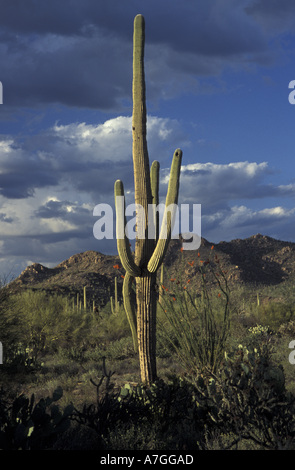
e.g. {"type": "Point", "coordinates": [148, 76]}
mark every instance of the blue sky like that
{"type": "Point", "coordinates": [217, 76]}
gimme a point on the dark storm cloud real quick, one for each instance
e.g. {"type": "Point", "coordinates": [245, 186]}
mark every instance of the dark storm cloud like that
{"type": "Point", "coordinates": [274, 15]}
{"type": "Point", "coordinates": [21, 173]}
{"type": "Point", "coordinates": [48, 238]}
{"type": "Point", "coordinates": [22, 180]}
{"type": "Point", "coordinates": [60, 209]}
{"type": "Point", "coordinates": [82, 71]}
{"type": "Point", "coordinates": [201, 27]}
{"type": "Point", "coordinates": [4, 218]}
{"type": "Point", "coordinates": [67, 17]}
{"type": "Point", "coordinates": [204, 28]}
{"type": "Point", "coordinates": [79, 53]}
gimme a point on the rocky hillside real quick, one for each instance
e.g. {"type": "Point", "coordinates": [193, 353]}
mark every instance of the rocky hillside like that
{"type": "Point", "coordinates": [255, 261]}
{"type": "Point", "coordinates": [90, 269]}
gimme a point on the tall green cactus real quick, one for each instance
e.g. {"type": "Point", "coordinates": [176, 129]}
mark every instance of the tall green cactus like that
{"type": "Point", "coordinates": [149, 252]}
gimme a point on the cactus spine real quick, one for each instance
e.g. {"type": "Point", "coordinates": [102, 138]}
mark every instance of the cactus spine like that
{"type": "Point", "coordinates": [149, 252]}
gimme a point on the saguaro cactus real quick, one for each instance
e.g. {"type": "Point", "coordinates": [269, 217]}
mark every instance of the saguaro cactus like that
{"type": "Point", "coordinates": [149, 251]}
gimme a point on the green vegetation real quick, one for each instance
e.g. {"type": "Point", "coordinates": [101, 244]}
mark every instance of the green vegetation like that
{"type": "Point", "coordinates": [225, 381]}
{"type": "Point", "coordinates": [199, 325]}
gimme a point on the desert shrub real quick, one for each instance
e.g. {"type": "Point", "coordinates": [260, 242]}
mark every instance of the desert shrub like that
{"type": "Point", "coordinates": [258, 336]}
{"type": "Point", "coordinates": [72, 353]}
{"type": "Point", "coordinates": [287, 329]}
{"type": "Point", "coordinates": [36, 323]}
{"type": "Point", "coordinates": [120, 349]}
{"type": "Point", "coordinates": [274, 314]}
{"type": "Point", "coordinates": [244, 404]}
{"type": "Point", "coordinates": [137, 417]}
{"type": "Point", "coordinates": [113, 326]}
{"type": "Point", "coordinates": [249, 400]}
{"type": "Point", "coordinates": [197, 328]}
{"type": "Point", "coordinates": [245, 401]}
{"type": "Point", "coordinates": [135, 437]}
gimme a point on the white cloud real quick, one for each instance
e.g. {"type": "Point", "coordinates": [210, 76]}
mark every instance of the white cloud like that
{"type": "Point", "coordinates": [212, 184]}
{"type": "Point", "coordinates": [112, 140]}
{"type": "Point", "coordinates": [242, 221]}
{"type": "Point", "coordinates": [51, 183]}
{"type": "Point", "coordinates": [108, 141]}
{"type": "Point", "coordinates": [54, 61]}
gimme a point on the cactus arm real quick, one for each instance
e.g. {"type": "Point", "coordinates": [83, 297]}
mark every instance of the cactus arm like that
{"type": "Point", "coordinates": [140, 151]}
{"type": "Point", "coordinates": [122, 240]}
{"type": "Point", "coordinates": [129, 307]}
{"type": "Point", "coordinates": [142, 184]}
{"type": "Point", "coordinates": [155, 170]}
{"type": "Point", "coordinates": [171, 198]}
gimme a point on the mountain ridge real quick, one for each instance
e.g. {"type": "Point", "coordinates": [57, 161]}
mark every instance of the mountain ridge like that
{"type": "Point", "coordinates": [258, 260]}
